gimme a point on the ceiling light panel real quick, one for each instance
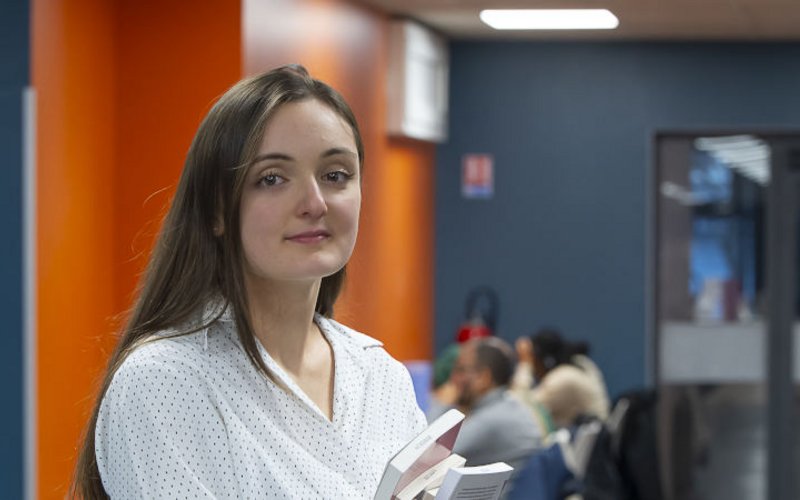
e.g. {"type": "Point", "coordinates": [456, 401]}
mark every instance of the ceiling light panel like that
{"type": "Point", "coordinates": [549, 19]}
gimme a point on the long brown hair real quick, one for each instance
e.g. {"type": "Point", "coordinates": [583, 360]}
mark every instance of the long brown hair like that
{"type": "Point", "coordinates": [190, 265]}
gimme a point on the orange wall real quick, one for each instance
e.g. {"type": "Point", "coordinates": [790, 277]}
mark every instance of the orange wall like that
{"type": "Point", "coordinates": [72, 72]}
{"type": "Point", "coordinates": [389, 293]}
{"type": "Point", "coordinates": [122, 86]}
{"type": "Point", "coordinates": [402, 234]}
{"type": "Point", "coordinates": [175, 57]}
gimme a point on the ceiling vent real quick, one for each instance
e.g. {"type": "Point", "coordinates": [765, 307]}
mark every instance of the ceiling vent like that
{"type": "Point", "coordinates": [417, 82]}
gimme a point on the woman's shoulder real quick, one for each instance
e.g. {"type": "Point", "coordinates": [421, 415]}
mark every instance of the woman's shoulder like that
{"type": "Point", "coordinates": [163, 356]}
{"type": "Point", "coordinates": [368, 349]}
{"type": "Point", "coordinates": [172, 344]}
{"type": "Point", "coordinates": [349, 335]}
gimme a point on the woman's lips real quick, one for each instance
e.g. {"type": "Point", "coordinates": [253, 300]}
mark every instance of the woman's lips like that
{"type": "Point", "coordinates": [308, 237]}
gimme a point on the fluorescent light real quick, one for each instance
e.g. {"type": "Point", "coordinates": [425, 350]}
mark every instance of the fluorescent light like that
{"type": "Point", "coordinates": [549, 19]}
{"type": "Point", "coordinates": [748, 155]}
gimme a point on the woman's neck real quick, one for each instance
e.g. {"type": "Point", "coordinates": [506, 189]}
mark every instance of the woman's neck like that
{"type": "Point", "coordinates": [282, 317]}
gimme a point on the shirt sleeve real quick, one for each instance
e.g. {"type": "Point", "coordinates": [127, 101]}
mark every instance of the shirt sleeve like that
{"type": "Point", "coordinates": [159, 435]}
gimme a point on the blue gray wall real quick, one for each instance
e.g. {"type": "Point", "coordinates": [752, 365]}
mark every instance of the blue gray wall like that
{"type": "Point", "coordinates": [570, 126]}
{"type": "Point", "coordinates": [14, 76]}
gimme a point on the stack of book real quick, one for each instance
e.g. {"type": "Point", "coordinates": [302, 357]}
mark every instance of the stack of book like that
{"type": "Point", "coordinates": [426, 468]}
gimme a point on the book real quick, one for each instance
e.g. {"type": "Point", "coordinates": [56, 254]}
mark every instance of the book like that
{"type": "Point", "coordinates": [430, 494]}
{"type": "Point", "coordinates": [427, 468]}
{"type": "Point", "coordinates": [430, 479]}
{"type": "Point", "coordinates": [427, 449]}
{"type": "Point", "coordinates": [484, 482]}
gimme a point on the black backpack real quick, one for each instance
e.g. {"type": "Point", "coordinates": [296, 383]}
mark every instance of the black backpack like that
{"type": "Point", "coordinates": [624, 461]}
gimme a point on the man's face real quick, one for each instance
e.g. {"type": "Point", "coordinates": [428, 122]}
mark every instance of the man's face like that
{"type": "Point", "coordinates": [468, 378]}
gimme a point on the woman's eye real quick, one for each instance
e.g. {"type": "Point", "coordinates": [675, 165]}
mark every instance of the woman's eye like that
{"type": "Point", "coordinates": [337, 176]}
{"type": "Point", "coordinates": [270, 180]}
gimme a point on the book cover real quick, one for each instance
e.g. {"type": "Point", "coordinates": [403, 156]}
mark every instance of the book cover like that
{"type": "Point", "coordinates": [430, 447]}
{"type": "Point", "coordinates": [431, 478]}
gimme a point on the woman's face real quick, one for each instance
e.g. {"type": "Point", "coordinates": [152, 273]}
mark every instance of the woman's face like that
{"type": "Point", "coordinates": [302, 196]}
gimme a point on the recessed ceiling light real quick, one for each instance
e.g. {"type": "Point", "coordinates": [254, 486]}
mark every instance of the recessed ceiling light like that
{"type": "Point", "coordinates": [550, 19]}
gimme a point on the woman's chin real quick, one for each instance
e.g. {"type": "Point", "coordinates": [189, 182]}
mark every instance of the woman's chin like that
{"type": "Point", "coordinates": [313, 273]}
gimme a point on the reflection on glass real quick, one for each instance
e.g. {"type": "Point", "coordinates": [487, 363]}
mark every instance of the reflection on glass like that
{"type": "Point", "coordinates": [726, 180]}
{"type": "Point", "coordinates": [711, 327]}
{"type": "Point", "coordinates": [718, 210]}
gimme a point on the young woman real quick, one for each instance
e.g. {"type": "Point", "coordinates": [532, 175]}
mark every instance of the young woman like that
{"type": "Point", "coordinates": [231, 380]}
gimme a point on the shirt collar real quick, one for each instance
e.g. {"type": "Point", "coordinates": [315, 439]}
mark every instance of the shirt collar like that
{"type": "Point", "coordinates": [356, 338]}
{"type": "Point", "coordinates": [217, 309]}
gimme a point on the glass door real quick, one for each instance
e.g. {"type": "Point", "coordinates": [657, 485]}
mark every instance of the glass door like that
{"type": "Point", "coordinates": [723, 357]}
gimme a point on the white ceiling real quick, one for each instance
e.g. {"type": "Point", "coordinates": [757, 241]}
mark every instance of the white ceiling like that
{"type": "Point", "coordinates": [744, 20]}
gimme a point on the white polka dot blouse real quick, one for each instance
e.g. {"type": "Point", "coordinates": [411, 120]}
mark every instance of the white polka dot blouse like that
{"type": "Point", "coordinates": [191, 417]}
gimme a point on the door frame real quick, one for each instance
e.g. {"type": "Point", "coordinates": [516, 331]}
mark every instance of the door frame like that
{"type": "Point", "coordinates": [782, 209]}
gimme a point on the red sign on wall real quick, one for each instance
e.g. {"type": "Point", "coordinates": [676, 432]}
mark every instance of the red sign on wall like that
{"type": "Point", "coordinates": [477, 176]}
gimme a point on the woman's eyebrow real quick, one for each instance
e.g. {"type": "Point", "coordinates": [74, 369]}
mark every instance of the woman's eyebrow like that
{"type": "Point", "coordinates": [283, 156]}
{"type": "Point", "coordinates": [272, 156]}
{"type": "Point", "coordinates": [338, 151]}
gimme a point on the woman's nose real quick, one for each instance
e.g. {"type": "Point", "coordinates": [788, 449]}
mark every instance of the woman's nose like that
{"type": "Point", "coordinates": [312, 203]}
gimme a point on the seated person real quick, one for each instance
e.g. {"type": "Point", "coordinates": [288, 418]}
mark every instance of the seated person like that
{"type": "Point", "coordinates": [567, 383]}
{"type": "Point", "coordinates": [498, 427]}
